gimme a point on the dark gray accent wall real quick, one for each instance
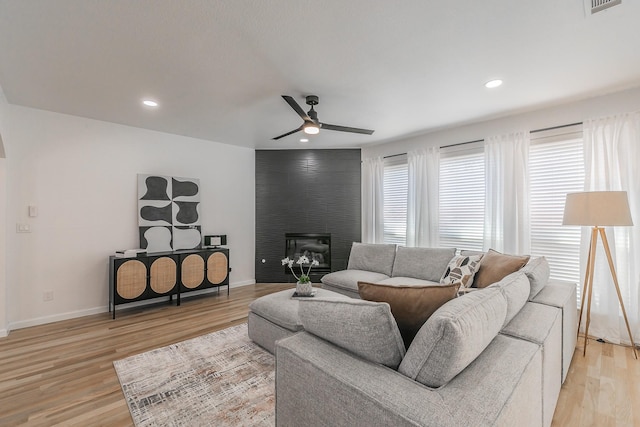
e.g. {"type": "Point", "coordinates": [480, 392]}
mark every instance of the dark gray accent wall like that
{"type": "Point", "coordinates": [305, 191]}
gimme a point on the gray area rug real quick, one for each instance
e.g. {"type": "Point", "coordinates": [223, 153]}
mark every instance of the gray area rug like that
{"type": "Point", "coordinates": [219, 379]}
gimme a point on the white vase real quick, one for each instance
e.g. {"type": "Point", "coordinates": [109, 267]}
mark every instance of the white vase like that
{"type": "Point", "coordinates": [304, 289]}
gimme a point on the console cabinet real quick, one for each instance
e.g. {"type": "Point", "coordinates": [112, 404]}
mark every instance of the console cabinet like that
{"type": "Point", "coordinates": [166, 274]}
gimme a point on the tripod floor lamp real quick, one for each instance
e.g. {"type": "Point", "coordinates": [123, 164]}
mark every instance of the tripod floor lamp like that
{"type": "Point", "coordinates": [598, 209]}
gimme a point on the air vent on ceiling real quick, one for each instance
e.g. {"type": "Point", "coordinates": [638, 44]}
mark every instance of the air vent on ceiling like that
{"type": "Point", "coordinates": [600, 5]}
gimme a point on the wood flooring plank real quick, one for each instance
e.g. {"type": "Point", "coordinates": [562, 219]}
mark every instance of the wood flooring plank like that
{"type": "Point", "coordinates": [599, 387]}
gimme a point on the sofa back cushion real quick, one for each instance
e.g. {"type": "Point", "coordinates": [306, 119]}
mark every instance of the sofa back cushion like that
{"type": "Point", "coordinates": [411, 306]}
{"type": "Point", "coordinates": [495, 266]}
{"type": "Point", "coordinates": [376, 257]}
{"type": "Point", "coordinates": [538, 272]}
{"type": "Point", "coordinates": [454, 336]}
{"type": "Point", "coordinates": [364, 328]}
{"type": "Point", "coordinates": [515, 289]}
{"type": "Point", "coordinates": [422, 263]}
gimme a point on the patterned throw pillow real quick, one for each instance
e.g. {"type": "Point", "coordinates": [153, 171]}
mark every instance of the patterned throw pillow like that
{"type": "Point", "coordinates": [461, 270]}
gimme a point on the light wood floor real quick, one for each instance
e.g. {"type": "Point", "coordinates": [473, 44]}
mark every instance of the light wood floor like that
{"type": "Point", "coordinates": [62, 373]}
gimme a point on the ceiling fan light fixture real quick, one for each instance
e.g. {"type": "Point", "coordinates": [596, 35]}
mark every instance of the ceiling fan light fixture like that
{"type": "Point", "coordinates": [311, 128]}
{"type": "Point", "coordinates": [310, 124]}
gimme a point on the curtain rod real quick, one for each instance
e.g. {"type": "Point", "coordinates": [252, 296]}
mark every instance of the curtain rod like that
{"type": "Point", "coordinates": [480, 140]}
{"type": "Point", "coordinates": [461, 143]}
{"type": "Point", "coordinates": [444, 146]}
{"type": "Point", "coordinates": [394, 155]}
{"type": "Point", "coordinates": [556, 127]}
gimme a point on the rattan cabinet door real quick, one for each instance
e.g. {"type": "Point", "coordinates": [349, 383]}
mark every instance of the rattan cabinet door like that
{"type": "Point", "coordinates": [192, 271]}
{"type": "Point", "coordinates": [217, 268]}
{"type": "Point", "coordinates": [163, 275]}
{"type": "Point", "coordinates": [131, 280]}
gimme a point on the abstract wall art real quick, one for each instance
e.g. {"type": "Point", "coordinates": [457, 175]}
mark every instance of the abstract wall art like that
{"type": "Point", "coordinates": [169, 213]}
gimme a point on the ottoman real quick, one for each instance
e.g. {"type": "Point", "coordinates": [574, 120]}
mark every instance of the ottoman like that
{"type": "Point", "coordinates": [275, 316]}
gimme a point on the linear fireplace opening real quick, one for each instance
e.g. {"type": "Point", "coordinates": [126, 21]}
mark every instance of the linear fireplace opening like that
{"type": "Point", "coordinates": [314, 246]}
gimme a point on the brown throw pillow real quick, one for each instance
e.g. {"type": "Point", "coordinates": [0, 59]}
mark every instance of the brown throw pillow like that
{"type": "Point", "coordinates": [411, 306]}
{"type": "Point", "coordinates": [496, 266]}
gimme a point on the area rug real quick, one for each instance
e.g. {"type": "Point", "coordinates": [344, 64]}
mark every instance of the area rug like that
{"type": "Point", "coordinates": [219, 379]}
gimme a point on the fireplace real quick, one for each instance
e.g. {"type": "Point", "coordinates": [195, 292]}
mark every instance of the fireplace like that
{"type": "Point", "coordinates": [313, 246]}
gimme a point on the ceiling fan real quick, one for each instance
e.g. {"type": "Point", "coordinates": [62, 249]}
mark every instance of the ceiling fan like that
{"type": "Point", "coordinates": [312, 125]}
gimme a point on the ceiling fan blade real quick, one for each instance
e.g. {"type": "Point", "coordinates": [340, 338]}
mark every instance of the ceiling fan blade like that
{"type": "Point", "coordinates": [288, 133]}
{"type": "Point", "coordinates": [345, 129]}
{"type": "Point", "coordinates": [292, 102]}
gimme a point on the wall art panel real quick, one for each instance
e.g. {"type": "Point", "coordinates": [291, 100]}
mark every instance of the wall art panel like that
{"type": "Point", "coordinates": [169, 213]}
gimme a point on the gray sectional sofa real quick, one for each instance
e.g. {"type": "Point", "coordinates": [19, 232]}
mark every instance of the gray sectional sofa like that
{"type": "Point", "coordinates": [496, 356]}
{"type": "Point", "coordinates": [390, 265]}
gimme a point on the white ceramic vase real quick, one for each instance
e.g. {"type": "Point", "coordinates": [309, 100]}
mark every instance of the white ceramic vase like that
{"type": "Point", "coordinates": [304, 289]}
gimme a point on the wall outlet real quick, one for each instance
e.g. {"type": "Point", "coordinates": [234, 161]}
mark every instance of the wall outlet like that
{"type": "Point", "coordinates": [47, 296]}
{"type": "Point", "coordinates": [23, 228]}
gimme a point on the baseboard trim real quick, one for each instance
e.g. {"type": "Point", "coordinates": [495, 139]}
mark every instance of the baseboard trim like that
{"type": "Point", "coordinates": [243, 283]}
{"type": "Point", "coordinates": [97, 310]}
{"type": "Point", "coordinates": [55, 318]}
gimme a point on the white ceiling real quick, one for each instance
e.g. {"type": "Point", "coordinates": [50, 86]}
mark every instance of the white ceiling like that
{"type": "Point", "coordinates": [218, 67]}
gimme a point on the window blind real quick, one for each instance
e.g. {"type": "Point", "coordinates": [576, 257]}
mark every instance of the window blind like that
{"type": "Point", "coordinates": [556, 167]}
{"type": "Point", "coordinates": [462, 198]}
{"type": "Point", "coordinates": [396, 184]}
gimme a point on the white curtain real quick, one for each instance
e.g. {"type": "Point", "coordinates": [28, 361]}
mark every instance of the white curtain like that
{"type": "Point", "coordinates": [612, 163]}
{"type": "Point", "coordinates": [507, 224]}
{"type": "Point", "coordinates": [373, 200]}
{"type": "Point", "coordinates": [423, 196]}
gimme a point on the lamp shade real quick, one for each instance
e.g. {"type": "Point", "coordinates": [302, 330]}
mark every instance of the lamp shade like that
{"type": "Point", "coordinates": [599, 208]}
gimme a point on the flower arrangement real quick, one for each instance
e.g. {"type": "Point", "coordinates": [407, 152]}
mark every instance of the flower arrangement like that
{"type": "Point", "coordinates": [304, 277]}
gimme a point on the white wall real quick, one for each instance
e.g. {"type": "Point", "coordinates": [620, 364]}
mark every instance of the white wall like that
{"type": "Point", "coordinates": [3, 210]}
{"type": "Point", "coordinates": [81, 175]}
{"type": "Point", "coordinates": [620, 102]}
{"type": "Point", "coordinates": [3, 270]}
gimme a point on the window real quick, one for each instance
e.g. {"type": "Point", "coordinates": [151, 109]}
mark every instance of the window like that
{"type": "Point", "coordinates": [556, 167]}
{"type": "Point", "coordinates": [396, 184]}
{"type": "Point", "coordinates": [462, 197]}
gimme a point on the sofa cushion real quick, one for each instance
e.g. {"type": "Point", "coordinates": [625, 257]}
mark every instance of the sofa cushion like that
{"type": "Point", "coordinates": [495, 266]}
{"type": "Point", "coordinates": [411, 306]}
{"type": "Point", "coordinates": [538, 272]}
{"type": "Point", "coordinates": [406, 281]}
{"type": "Point", "coordinates": [454, 336]}
{"type": "Point", "coordinates": [461, 270]}
{"type": "Point", "coordinates": [515, 289]}
{"type": "Point", "coordinates": [563, 295]}
{"type": "Point", "coordinates": [422, 263]}
{"type": "Point", "coordinates": [348, 279]}
{"type": "Point", "coordinates": [373, 257]}
{"type": "Point", "coordinates": [364, 328]}
{"type": "Point", "coordinates": [278, 308]}
{"type": "Point", "coordinates": [471, 252]}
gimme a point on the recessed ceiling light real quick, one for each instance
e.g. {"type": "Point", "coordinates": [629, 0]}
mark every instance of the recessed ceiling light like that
{"type": "Point", "coordinates": [304, 140]}
{"type": "Point", "coordinates": [493, 83]}
{"type": "Point", "coordinates": [150, 103]}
